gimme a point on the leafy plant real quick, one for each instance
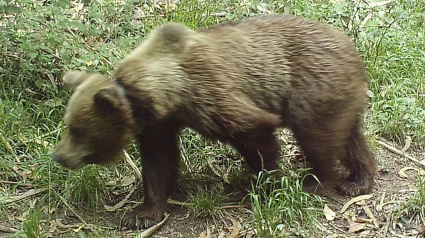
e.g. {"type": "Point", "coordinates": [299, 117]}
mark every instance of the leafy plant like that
{"type": "Point", "coordinates": [206, 202]}
{"type": "Point", "coordinates": [41, 39]}
{"type": "Point", "coordinates": [31, 225]}
{"type": "Point", "coordinates": [414, 207]}
{"type": "Point", "coordinates": [280, 206]}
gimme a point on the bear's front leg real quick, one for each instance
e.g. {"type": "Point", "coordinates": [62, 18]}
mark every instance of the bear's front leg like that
{"type": "Point", "coordinates": [160, 160]}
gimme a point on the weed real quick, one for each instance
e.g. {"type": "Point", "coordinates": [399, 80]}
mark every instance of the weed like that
{"type": "Point", "coordinates": [86, 188]}
{"type": "Point", "coordinates": [280, 206]}
{"type": "Point", "coordinates": [42, 39]}
{"type": "Point", "coordinates": [414, 207]}
{"type": "Point", "coordinates": [31, 225]}
{"type": "Point", "coordinates": [206, 202]}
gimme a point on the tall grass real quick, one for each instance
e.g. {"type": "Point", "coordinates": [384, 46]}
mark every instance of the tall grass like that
{"type": "Point", "coordinates": [42, 39]}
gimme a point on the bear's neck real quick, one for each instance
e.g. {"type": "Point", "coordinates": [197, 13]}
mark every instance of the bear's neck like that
{"type": "Point", "coordinates": [137, 124]}
{"type": "Point", "coordinates": [142, 111]}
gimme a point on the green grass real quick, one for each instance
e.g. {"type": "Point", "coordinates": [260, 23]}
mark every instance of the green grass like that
{"type": "Point", "coordinates": [38, 45]}
{"type": "Point", "coordinates": [281, 208]}
{"type": "Point", "coordinates": [31, 225]}
{"type": "Point", "coordinates": [206, 202]}
{"type": "Point", "coordinates": [413, 209]}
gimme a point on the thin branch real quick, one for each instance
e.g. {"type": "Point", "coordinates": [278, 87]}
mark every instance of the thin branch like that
{"type": "Point", "coordinates": [132, 165]}
{"type": "Point", "coordinates": [397, 151]}
{"type": "Point", "coordinates": [72, 210]}
{"type": "Point", "coordinates": [10, 148]}
{"type": "Point", "coordinates": [150, 231]}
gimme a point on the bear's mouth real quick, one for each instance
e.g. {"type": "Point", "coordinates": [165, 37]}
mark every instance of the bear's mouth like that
{"type": "Point", "coordinates": [97, 158]}
{"type": "Point", "coordinates": [68, 163]}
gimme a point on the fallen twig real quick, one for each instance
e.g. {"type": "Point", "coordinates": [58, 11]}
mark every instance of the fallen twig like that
{"type": "Point", "coordinates": [232, 206]}
{"type": "Point", "coordinates": [397, 151]}
{"type": "Point", "coordinates": [120, 203]}
{"type": "Point", "coordinates": [72, 210]}
{"type": "Point", "coordinates": [385, 228]}
{"type": "Point", "coordinates": [10, 148]}
{"type": "Point", "coordinates": [174, 202]}
{"type": "Point", "coordinates": [215, 170]}
{"type": "Point", "coordinates": [132, 165]}
{"type": "Point", "coordinates": [21, 184]}
{"type": "Point", "coordinates": [354, 200]}
{"type": "Point", "coordinates": [151, 230]}
{"type": "Point", "coordinates": [38, 138]}
{"type": "Point", "coordinates": [370, 215]}
{"type": "Point", "coordinates": [7, 229]}
{"type": "Point", "coordinates": [4, 200]}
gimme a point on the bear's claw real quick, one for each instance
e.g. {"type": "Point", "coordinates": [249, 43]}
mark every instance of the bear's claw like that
{"type": "Point", "coordinates": [143, 218]}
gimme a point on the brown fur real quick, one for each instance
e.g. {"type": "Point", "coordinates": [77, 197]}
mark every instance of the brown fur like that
{"type": "Point", "coordinates": [96, 98]}
{"type": "Point", "coordinates": [236, 83]}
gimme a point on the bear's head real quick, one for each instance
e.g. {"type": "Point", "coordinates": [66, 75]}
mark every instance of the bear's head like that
{"type": "Point", "coordinates": [99, 121]}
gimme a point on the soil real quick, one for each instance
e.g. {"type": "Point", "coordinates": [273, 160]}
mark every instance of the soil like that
{"type": "Point", "coordinates": [379, 214]}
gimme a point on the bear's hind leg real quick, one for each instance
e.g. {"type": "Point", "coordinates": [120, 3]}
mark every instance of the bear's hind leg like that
{"type": "Point", "coordinates": [322, 149]}
{"type": "Point", "coordinates": [261, 150]}
{"type": "Point", "coordinates": [328, 142]}
{"type": "Point", "coordinates": [160, 160]}
{"type": "Point", "coordinates": [360, 163]}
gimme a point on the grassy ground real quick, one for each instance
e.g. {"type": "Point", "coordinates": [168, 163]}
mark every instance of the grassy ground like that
{"type": "Point", "coordinates": [40, 40]}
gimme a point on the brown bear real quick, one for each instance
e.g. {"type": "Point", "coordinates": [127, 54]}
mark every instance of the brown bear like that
{"type": "Point", "coordinates": [235, 82]}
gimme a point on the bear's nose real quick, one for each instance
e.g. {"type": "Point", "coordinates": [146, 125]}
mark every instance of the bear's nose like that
{"type": "Point", "coordinates": [56, 157]}
{"type": "Point", "coordinates": [67, 162]}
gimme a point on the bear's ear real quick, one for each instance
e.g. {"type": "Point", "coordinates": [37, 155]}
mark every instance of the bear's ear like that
{"type": "Point", "coordinates": [75, 78]}
{"type": "Point", "coordinates": [109, 98]}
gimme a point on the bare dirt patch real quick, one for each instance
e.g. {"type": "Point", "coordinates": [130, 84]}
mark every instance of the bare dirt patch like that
{"type": "Point", "coordinates": [374, 215]}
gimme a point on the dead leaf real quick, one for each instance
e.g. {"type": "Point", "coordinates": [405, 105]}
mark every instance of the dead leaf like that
{"type": "Point", "coordinates": [24, 174]}
{"type": "Point", "coordinates": [354, 227]}
{"type": "Point", "coordinates": [403, 174]}
{"type": "Point", "coordinates": [381, 203]}
{"type": "Point", "coordinates": [170, 7]}
{"type": "Point", "coordinates": [236, 228]}
{"type": "Point", "coordinates": [120, 203]}
{"type": "Point", "coordinates": [206, 234]}
{"type": "Point", "coordinates": [407, 143]}
{"type": "Point", "coordinates": [132, 165]}
{"type": "Point", "coordinates": [369, 93]}
{"type": "Point", "coordinates": [370, 215]}
{"type": "Point", "coordinates": [78, 7]}
{"type": "Point", "coordinates": [354, 200]}
{"type": "Point", "coordinates": [7, 199]}
{"type": "Point", "coordinates": [76, 230]}
{"type": "Point", "coordinates": [123, 182]}
{"type": "Point", "coordinates": [329, 214]}
{"type": "Point", "coordinates": [12, 152]}
{"type": "Point", "coordinates": [363, 220]}
{"type": "Point", "coordinates": [7, 229]}
{"type": "Point", "coordinates": [376, 4]}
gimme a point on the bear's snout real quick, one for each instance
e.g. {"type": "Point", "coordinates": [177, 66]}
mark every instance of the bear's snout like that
{"type": "Point", "coordinates": [57, 158]}
{"type": "Point", "coordinates": [67, 163]}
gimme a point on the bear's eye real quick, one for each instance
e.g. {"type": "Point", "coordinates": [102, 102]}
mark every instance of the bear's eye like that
{"type": "Point", "coordinates": [76, 132]}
